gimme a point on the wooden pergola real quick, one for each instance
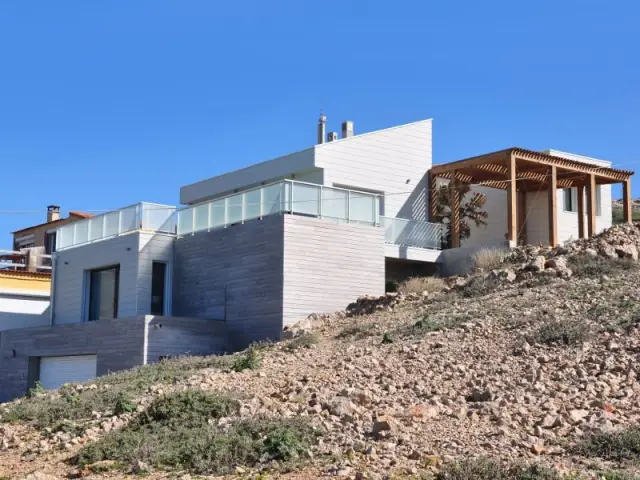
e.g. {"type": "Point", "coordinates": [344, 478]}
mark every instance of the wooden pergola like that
{"type": "Point", "coordinates": [519, 171]}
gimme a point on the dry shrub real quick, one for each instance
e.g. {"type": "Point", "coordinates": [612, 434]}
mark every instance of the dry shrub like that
{"type": "Point", "coordinates": [421, 284]}
{"type": "Point", "coordinates": [488, 258]}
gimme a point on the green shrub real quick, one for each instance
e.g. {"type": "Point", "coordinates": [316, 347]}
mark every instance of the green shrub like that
{"type": "Point", "coordinates": [124, 404]}
{"type": "Point", "coordinates": [306, 340]}
{"type": "Point", "coordinates": [487, 469]}
{"type": "Point", "coordinates": [584, 265]}
{"type": "Point", "coordinates": [616, 445]}
{"type": "Point", "coordinates": [387, 338]}
{"type": "Point", "coordinates": [77, 405]}
{"type": "Point", "coordinates": [477, 286]}
{"type": "Point", "coordinates": [563, 332]}
{"type": "Point", "coordinates": [358, 331]}
{"type": "Point", "coordinates": [391, 286]}
{"type": "Point", "coordinates": [249, 360]}
{"type": "Point", "coordinates": [176, 432]}
{"type": "Point", "coordinates": [36, 390]}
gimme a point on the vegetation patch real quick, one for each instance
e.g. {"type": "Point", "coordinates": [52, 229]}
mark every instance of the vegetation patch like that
{"type": "Point", "coordinates": [488, 258]}
{"type": "Point", "coordinates": [110, 392]}
{"type": "Point", "coordinates": [616, 445]}
{"type": "Point", "coordinates": [249, 360]}
{"type": "Point", "coordinates": [561, 332]}
{"type": "Point", "coordinates": [362, 330]}
{"type": "Point", "coordinates": [584, 265]}
{"type": "Point", "coordinates": [616, 316]}
{"type": "Point", "coordinates": [306, 340]}
{"type": "Point", "coordinates": [420, 285]}
{"type": "Point", "coordinates": [181, 431]}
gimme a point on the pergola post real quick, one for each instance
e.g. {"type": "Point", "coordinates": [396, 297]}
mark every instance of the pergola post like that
{"type": "Point", "coordinates": [512, 209]}
{"type": "Point", "coordinates": [581, 228]}
{"type": "Point", "coordinates": [454, 194]}
{"type": "Point", "coordinates": [626, 201]}
{"type": "Point", "coordinates": [522, 217]}
{"type": "Point", "coordinates": [432, 185]}
{"type": "Point", "coordinates": [591, 206]}
{"type": "Point", "coordinates": [553, 206]}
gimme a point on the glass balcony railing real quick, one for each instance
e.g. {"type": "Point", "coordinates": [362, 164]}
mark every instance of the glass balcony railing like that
{"type": "Point", "coordinates": [142, 216]}
{"type": "Point", "coordinates": [413, 233]}
{"type": "Point", "coordinates": [288, 196]}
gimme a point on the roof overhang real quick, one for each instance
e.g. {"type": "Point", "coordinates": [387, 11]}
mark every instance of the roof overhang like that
{"type": "Point", "coordinates": [532, 170]}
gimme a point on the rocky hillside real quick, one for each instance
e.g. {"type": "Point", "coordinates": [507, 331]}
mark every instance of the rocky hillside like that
{"type": "Point", "coordinates": [526, 369]}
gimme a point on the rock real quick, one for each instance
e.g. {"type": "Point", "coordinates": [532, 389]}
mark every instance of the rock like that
{"type": "Point", "coordinates": [591, 252]}
{"type": "Point", "coordinates": [577, 416]}
{"type": "Point", "coordinates": [384, 427]}
{"type": "Point", "coordinates": [40, 476]}
{"type": "Point", "coordinates": [608, 251]}
{"type": "Point", "coordinates": [627, 251]}
{"type": "Point", "coordinates": [557, 263]}
{"type": "Point", "coordinates": [343, 408]}
{"type": "Point", "coordinates": [478, 395]}
{"type": "Point", "coordinates": [536, 265]}
{"type": "Point", "coordinates": [139, 467]}
{"type": "Point", "coordinates": [537, 449]}
{"type": "Point", "coordinates": [423, 412]}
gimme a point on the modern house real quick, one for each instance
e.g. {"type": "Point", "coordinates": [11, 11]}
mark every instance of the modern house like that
{"type": "Point", "coordinates": [261, 247]}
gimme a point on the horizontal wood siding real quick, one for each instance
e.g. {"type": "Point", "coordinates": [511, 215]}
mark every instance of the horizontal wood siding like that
{"type": "Point", "coordinates": [234, 274]}
{"type": "Point", "coordinates": [394, 161]}
{"type": "Point", "coordinates": [328, 265]}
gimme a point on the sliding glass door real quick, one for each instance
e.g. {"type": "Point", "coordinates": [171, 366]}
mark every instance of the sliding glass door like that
{"type": "Point", "coordinates": [103, 293]}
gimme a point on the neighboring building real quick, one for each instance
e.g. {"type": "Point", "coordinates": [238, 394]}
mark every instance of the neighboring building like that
{"type": "Point", "coordinates": [44, 234]}
{"type": "Point", "coordinates": [24, 299]}
{"type": "Point", "coordinates": [258, 249]}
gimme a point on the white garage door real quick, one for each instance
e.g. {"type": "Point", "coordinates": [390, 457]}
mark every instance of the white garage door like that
{"type": "Point", "coordinates": [56, 371]}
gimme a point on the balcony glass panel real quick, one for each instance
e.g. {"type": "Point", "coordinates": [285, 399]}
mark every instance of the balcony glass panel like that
{"type": "Point", "coordinates": [234, 209]}
{"type": "Point", "coordinates": [305, 199]}
{"type": "Point", "coordinates": [272, 198]}
{"type": "Point", "coordinates": [111, 224]}
{"type": "Point", "coordinates": [334, 203]}
{"type": "Point", "coordinates": [96, 228]}
{"type": "Point", "coordinates": [201, 217]}
{"type": "Point", "coordinates": [361, 207]}
{"type": "Point", "coordinates": [129, 219]}
{"type": "Point", "coordinates": [253, 204]}
{"type": "Point", "coordinates": [217, 214]}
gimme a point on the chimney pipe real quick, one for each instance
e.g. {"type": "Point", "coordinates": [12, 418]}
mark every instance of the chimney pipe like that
{"type": "Point", "coordinates": [322, 127]}
{"type": "Point", "coordinates": [53, 213]}
{"type": "Point", "coordinates": [347, 129]}
{"type": "Point", "coordinates": [331, 136]}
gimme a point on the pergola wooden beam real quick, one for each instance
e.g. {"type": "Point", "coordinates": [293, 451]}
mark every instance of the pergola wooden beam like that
{"type": "Point", "coordinates": [518, 171]}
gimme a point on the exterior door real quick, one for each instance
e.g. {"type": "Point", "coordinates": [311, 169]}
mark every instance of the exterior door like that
{"type": "Point", "coordinates": [56, 371]}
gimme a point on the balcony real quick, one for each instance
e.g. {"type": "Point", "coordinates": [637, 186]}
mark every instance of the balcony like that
{"type": "Point", "coordinates": [413, 233]}
{"type": "Point", "coordinates": [142, 216]}
{"type": "Point", "coordinates": [335, 204]}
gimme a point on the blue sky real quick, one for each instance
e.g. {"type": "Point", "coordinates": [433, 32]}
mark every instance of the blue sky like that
{"type": "Point", "coordinates": [105, 104]}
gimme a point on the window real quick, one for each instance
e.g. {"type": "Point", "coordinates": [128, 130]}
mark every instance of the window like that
{"type": "Point", "coordinates": [570, 200]}
{"type": "Point", "coordinates": [158, 279]}
{"type": "Point", "coordinates": [50, 243]}
{"type": "Point", "coordinates": [103, 293]}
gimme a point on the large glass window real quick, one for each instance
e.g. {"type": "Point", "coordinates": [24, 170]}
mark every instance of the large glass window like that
{"type": "Point", "coordinates": [103, 293]}
{"type": "Point", "coordinates": [570, 200]}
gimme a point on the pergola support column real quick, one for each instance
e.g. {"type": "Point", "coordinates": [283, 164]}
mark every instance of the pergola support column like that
{"type": "Point", "coordinates": [512, 209]}
{"type": "Point", "coordinates": [522, 218]}
{"type": "Point", "coordinates": [591, 206]}
{"type": "Point", "coordinates": [581, 229]}
{"type": "Point", "coordinates": [626, 201]}
{"type": "Point", "coordinates": [432, 185]}
{"type": "Point", "coordinates": [454, 194]}
{"type": "Point", "coordinates": [553, 206]}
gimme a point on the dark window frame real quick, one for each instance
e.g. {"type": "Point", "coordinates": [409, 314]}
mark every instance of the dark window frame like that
{"type": "Point", "coordinates": [116, 290]}
{"type": "Point", "coordinates": [163, 294]}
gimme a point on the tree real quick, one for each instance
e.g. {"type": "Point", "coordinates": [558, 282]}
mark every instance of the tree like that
{"type": "Point", "coordinates": [471, 209]}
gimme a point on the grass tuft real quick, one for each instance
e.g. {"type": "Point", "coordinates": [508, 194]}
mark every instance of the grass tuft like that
{"type": "Point", "coordinates": [488, 258]}
{"type": "Point", "coordinates": [420, 285]}
{"type": "Point", "coordinates": [584, 265]}
{"type": "Point", "coordinates": [616, 445]}
{"type": "Point", "coordinates": [306, 340]}
{"type": "Point", "coordinates": [561, 332]}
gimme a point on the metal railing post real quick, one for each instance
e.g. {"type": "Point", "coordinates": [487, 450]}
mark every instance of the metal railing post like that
{"type": "Point", "coordinates": [321, 198]}
{"type": "Point", "coordinates": [348, 206]}
{"type": "Point", "coordinates": [209, 216]}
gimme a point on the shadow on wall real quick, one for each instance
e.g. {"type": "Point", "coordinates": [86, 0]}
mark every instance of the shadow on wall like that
{"type": "Point", "coordinates": [416, 205]}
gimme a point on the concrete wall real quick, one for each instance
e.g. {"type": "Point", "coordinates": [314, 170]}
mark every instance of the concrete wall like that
{"type": "Point", "coordinates": [394, 161]}
{"type": "Point", "coordinates": [118, 344]}
{"type": "Point", "coordinates": [22, 310]}
{"type": "Point", "coordinates": [69, 304]}
{"type": "Point", "coordinates": [153, 247]}
{"type": "Point", "coordinates": [173, 336]}
{"type": "Point", "coordinates": [233, 274]}
{"type": "Point", "coordinates": [134, 252]}
{"type": "Point", "coordinates": [328, 265]}
{"type": "Point", "coordinates": [458, 261]}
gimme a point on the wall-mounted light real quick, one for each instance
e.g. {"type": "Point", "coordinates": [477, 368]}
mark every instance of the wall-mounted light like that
{"type": "Point", "coordinates": [66, 263]}
{"type": "Point", "coordinates": [128, 249]}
